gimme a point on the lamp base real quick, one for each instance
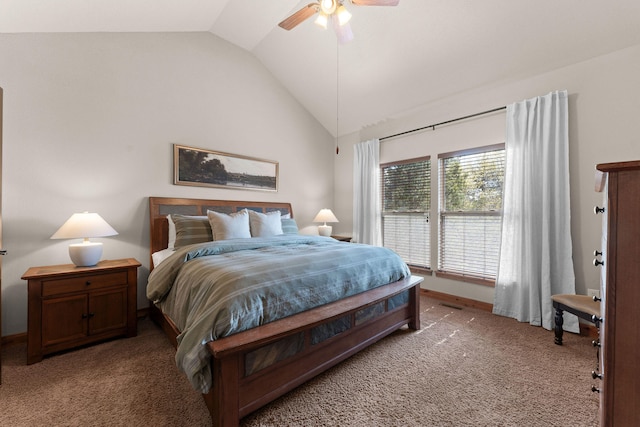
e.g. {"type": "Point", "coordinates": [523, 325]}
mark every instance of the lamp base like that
{"type": "Point", "coordinates": [325, 230]}
{"type": "Point", "coordinates": [86, 254]}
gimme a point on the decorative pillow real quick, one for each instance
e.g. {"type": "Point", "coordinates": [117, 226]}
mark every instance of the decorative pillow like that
{"type": "Point", "coordinates": [265, 225]}
{"type": "Point", "coordinates": [191, 229]}
{"type": "Point", "coordinates": [289, 226]}
{"type": "Point", "coordinates": [232, 226]}
{"type": "Point", "coordinates": [172, 228]}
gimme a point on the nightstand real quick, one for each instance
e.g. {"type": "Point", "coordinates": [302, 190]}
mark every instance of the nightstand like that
{"type": "Point", "coordinates": [72, 306]}
{"type": "Point", "coordinates": [342, 238]}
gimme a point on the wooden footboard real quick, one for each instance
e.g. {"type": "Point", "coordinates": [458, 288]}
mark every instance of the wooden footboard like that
{"type": "Point", "coordinates": [372, 316]}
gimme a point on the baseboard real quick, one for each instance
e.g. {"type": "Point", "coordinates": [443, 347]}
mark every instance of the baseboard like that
{"type": "Point", "coordinates": [455, 300]}
{"type": "Point", "coordinates": [14, 339]}
{"type": "Point", "coordinates": [586, 329]}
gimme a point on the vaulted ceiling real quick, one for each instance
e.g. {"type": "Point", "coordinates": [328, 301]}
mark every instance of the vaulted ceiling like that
{"type": "Point", "coordinates": [401, 57]}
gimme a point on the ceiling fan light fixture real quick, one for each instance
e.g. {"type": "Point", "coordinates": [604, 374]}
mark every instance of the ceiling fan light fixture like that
{"type": "Point", "coordinates": [328, 6]}
{"type": "Point", "coordinates": [322, 20]}
{"type": "Point", "coordinates": [333, 10]}
{"type": "Point", "coordinates": [343, 15]}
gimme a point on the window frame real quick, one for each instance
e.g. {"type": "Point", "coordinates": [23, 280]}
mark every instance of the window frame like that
{"type": "Point", "coordinates": [459, 276]}
{"type": "Point", "coordinates": [414, 267]}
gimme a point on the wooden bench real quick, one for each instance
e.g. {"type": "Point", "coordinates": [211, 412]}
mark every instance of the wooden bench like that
{"type": "Point", "coordinates": [582, 306]}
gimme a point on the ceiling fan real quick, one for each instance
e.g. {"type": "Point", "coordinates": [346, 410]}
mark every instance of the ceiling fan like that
{"type": "Point", "coordinates": [334, 10]}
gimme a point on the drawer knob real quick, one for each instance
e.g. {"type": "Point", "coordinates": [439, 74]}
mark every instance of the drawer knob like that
{"type": "Point", "coordinates": [595, 319]}
{"type": "Point", "coordinates": [595, 343]}
{"type": "Point", "coordinates": [597, 210]}
{"type": "Point", "coordinates": [596, 375]}
{"type": "Point", "coordinates": [595, 389]}
{"type": "Point", "coordinates": [596, 299]}
{"type": "Point", "coordinates": [88, 282]}
{"type": "Point", "coordinates": [597, 262]}
{"type": "Point", "coordinates": [84, 315]}
{"type": "Point", "coordinates": [597, 253]}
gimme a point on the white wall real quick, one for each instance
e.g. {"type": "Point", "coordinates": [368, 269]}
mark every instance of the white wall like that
{"type": "Point", "coordinates": [604, 109]}
{"type": "Point", "coordinates": [89, 123]}
{"type": "Point", "coordinates": [90, 119]}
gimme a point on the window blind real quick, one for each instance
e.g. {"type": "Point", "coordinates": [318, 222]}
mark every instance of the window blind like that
{"type": "Point", "coordinates": [470, 190]}
{"type": "Point", "coordinates": [406, 200]}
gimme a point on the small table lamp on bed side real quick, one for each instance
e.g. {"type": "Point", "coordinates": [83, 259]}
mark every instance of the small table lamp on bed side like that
{"type": "Point", "coordinates": [325, 216]}
{"type": "Point", "coordinates": [82, 226]}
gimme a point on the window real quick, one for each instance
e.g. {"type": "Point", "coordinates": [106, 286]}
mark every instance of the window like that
{"type": "Point", "coordinates": [470, 213]}
{"type": "Point", "coordinates": [406, 200]}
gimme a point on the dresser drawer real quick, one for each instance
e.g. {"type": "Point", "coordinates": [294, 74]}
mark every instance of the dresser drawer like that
{"type": "Point", "coordinates": [83, 283]}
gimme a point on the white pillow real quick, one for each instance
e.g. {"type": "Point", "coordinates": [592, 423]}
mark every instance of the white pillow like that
{"type": "Point", "coordinates": [233, 226]}
{"type": "Point", "coordinates": [265, 225]}
{"type": "Point", "coordinates": [172, 232]}
{"type": "Point", "coordinates": [160, 256]}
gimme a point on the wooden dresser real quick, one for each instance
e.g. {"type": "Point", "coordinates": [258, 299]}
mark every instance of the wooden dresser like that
{"type": "Point", "coordinates": [620, 329]}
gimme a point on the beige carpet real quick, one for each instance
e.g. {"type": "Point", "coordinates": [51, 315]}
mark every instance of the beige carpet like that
{"type": "Point", "coordinates": [464, 368]}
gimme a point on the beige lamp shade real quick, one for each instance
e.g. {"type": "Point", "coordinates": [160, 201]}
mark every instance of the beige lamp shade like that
{"type": "Point", "coordinates": [83, 226]}
{"type": "Point", "coordinates": [325, 216]}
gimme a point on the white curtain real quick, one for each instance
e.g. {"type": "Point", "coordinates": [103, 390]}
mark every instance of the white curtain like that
{"type": "Point", "coordinates": [536, 252]}
{"type": "Point", "coordinates": [366, 193]}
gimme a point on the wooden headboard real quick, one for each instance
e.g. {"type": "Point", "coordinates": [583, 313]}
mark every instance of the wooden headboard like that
{"type": "Point", "coordinates": [160, 207]}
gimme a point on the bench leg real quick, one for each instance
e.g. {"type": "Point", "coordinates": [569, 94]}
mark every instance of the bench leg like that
{"type": "Point", "coordinates": [558, 328]}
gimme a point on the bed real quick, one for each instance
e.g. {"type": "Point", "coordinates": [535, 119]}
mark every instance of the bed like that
{"type": "Point", "coordinates": [248, 368]}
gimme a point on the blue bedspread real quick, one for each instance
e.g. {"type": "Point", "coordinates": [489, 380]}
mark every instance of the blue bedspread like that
{"type": "Point", "coordinates": [215, 289]}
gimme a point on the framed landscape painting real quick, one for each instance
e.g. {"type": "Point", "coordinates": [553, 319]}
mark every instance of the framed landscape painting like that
{"type": "Point", "coordinates": [206, 168]}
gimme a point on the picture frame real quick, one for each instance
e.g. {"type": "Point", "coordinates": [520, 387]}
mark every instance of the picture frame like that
{"type": "Point", "coordinates": [207, 168]}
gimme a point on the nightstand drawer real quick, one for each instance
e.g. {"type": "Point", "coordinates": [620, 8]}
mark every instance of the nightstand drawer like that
{"type": "Point", "coordinates": [83, 283]}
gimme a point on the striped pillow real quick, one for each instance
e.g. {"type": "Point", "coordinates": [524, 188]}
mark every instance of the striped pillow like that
{"type": "Point", "coordinates": [289, 226]}
{"type": "Point", "coordinates": [191, 229]}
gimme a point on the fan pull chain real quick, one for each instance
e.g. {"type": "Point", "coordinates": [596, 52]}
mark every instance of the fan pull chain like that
{"type": "Point", "coordinates": [337, 97]}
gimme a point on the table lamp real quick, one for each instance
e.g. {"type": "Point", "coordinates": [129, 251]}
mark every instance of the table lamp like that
{"type": "Point", "coordinates": [83, 226]}
{"type": "Point", "coordinates": [325, 216]}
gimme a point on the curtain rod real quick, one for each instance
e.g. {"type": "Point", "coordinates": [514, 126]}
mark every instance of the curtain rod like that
{"type": "Point", "coordinates": [433, 127]}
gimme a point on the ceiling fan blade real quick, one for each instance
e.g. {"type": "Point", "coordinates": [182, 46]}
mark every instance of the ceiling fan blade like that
{"type": "Point", "coordinates": [375, 2]}
{"type": "Point", "coordinates": [300, 16]}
